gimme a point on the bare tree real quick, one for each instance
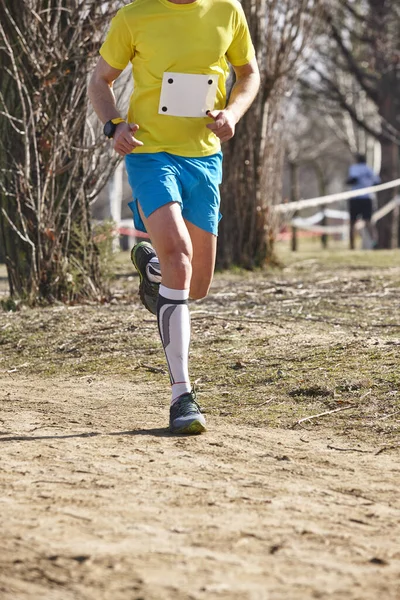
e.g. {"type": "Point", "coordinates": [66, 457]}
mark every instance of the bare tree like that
{"type": "Point", "coordinates": [358, 71]}
{"type": "Point", "coordinates": [51, 160]}
{"type": "Point", "coordinates": [253, 159]}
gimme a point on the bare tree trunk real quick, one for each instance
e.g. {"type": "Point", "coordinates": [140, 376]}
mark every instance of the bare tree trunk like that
{"type": "Point", "coordinates": [322, 190]}
{"type": "Point", "coordinates": [50, 167]}
{"type": "Point", "coordinates": [253, 158]}
{"type": "Point", "coordinates": [251, 185]}
{"type": "Point", "coordinates": [389, 225]}
{"type": "Point", "coordinates": [294, 197]}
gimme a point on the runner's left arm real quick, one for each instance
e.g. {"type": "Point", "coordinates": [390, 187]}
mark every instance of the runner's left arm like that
{"type": "Point", "coordinates": [242, 95]}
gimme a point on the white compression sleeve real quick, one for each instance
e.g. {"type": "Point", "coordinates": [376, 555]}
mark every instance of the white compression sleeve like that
{"type": "Point", "coordinates": [174, 327]}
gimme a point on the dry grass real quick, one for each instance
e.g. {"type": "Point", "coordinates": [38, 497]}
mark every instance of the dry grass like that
{"type": "Point", "coordinates": [268, 348]}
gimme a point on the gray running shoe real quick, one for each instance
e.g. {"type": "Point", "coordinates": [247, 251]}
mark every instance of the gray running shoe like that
{"type": "Point", "coordinates": [185, 415]}
{"type": "Point", "coordinates": [141, 254]}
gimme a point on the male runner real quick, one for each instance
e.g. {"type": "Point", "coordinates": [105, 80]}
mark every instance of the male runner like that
{"type": "Point", "coordinates": [180, 51]}
{"type": "Point", "coordinates": [360, 176]}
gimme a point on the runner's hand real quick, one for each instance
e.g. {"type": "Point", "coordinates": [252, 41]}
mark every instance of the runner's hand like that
{"type": "Point", "coordinates": [124, 140]}
{"type": "Point", "coordinates": [224, 124]}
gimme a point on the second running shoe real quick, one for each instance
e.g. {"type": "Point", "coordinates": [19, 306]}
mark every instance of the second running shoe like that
{"type": "Point", "coordinates": [141, 255]}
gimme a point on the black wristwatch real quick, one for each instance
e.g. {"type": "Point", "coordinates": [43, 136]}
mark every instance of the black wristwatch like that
{"type": "Point", "coordinates": [111, 126]}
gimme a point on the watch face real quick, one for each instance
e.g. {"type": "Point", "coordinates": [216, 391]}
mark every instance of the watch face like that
{"type": "Point", "coordinates": [109, 129]}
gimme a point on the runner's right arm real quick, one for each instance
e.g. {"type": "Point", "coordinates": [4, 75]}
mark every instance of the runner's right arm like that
{"type": "Point", "coordinates": [102, 97]}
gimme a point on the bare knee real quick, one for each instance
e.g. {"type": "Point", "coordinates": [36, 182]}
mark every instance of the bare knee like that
{"type": "Point", "coordinates": [176, 266]}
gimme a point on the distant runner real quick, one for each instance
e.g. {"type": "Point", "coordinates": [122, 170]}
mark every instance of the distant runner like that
{"type": "Point", "coordinates": [361, 176]}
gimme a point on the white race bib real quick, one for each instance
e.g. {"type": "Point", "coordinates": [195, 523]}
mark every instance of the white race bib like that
{"type": "Point", "coordinates": [187, 95]}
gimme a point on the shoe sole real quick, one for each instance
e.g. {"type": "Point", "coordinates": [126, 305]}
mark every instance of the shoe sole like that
{"type": "Point", "coordinates": [135, 265]}
{"type": "Point", "coordinates": [142, 285]}
{"type": "Point", "coordinates": [194, 428]}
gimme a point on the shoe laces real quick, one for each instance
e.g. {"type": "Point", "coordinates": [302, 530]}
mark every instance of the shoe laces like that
{"type": "Point", "coordinates": [186, 404]}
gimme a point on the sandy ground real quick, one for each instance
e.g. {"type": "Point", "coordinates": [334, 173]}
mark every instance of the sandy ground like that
{"type": "Point", "coordinates": [98, 501]}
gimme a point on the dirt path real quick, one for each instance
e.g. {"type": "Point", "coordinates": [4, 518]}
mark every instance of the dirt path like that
{"type": "Point", "coordinates": [98, 503]}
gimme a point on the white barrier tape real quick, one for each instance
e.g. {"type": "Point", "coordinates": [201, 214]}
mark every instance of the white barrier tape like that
{"type": "Point", "coordinates": [293, 206]}
{"type": "Point", "coordinates": [317, 217]}
{"type": "Point", "coordinates": [304, 221]}
{"type": "Point", "coordinates": [385, 209]}
{"type": "Point", "coordinates": [309, 223]}
{"type": "Point", "coordinates": [321, 228]}
{"type": "Point", "coordinates": [336, 214]}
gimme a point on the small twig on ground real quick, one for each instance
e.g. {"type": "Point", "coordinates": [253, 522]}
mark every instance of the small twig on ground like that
{"type": "Point", "coordinates": [76, 516]}
{"type": "Point", "coordinates": [388, 416]}
{"type": "Point", "coordinates": [258, 405]}
{"type": "Point", "coordinates": [395, 325]}
{"type": "Point", "coordinates": [266, 402]}
{"type": "Point", "coordinates": [349, 449]}
{"type": "Point", "coordinates": [197, 316]}
{"type": "Point", "coordinates": [324, 414]}
{"type": "Point", "coordinates": [152, 369]}
{"type": "Point", "coordinates": [300, 317]}
{"type": "Point", "coordinates": [355, 493]}
{"type": "Point", "coordinates": [387, 448]}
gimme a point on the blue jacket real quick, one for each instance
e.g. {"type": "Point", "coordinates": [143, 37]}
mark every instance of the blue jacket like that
{"type": "Point", "coordinates": [361, 176]}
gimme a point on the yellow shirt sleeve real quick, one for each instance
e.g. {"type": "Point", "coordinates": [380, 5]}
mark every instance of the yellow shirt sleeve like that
{"type": "Point", "coordinates": [241, 51]}
{"type": "Point", "coordinates": [118, 49]}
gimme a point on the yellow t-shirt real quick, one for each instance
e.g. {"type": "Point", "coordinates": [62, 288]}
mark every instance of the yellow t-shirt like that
{"type": "Point", "coordinates": [158, 36]}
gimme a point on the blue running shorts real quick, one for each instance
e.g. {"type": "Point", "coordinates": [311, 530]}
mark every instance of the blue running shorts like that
{"type": "Point", "coordinates": [159, 178]}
